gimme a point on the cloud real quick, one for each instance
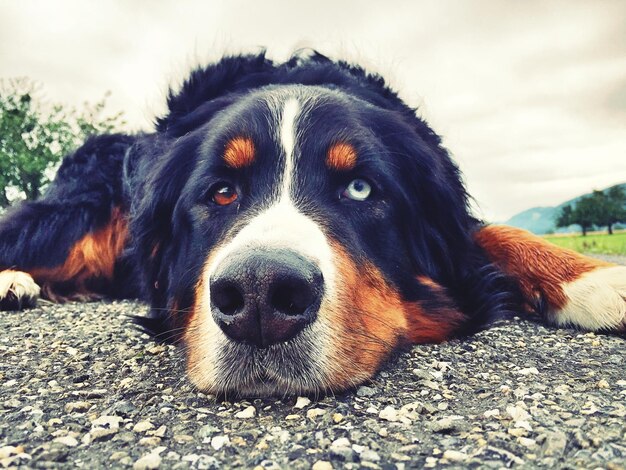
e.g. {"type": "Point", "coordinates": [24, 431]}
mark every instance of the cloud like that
{"type": "Point", "coordinates": [529, 96]}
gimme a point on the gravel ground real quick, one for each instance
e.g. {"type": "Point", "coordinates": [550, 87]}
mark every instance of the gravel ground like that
{"type": "Point", "coordinates": [617, 259]}
{"type": "Point", "coordinates": [79, 387]}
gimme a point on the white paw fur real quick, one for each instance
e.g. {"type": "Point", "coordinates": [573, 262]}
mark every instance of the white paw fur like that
{"type": "Point", "coordinates": [596, 301]}
{"type": "Point", "coordinates": [17, 290]}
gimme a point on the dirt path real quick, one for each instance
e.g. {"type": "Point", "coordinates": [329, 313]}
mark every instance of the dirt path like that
{"type": "Point", "coordinates": [617, 259]}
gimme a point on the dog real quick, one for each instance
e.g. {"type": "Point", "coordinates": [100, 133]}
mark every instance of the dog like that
{"type": "Point", "coordinates": [292, 224]}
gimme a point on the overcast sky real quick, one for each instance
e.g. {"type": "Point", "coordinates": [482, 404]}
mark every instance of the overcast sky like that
{"type": "Point", "coordinates": [529, 96]}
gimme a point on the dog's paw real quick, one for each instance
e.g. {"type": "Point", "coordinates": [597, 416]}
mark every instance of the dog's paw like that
{"type": "Point", "coordinates": [18, 290]}
{"type": "Point", "coordinates": [595, 301]}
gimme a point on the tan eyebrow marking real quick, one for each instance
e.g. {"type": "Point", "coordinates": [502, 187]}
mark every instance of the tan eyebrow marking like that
{"type": "Point", "coordinates": [239, 152]}
{"type": "Point", "coordinates": [341, 156]}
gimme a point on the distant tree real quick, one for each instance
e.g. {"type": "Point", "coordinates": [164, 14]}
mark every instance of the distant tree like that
{"type": "Point", "coordinates": [583, 213]}
{"type": "Point", "coordinates": [34, 136]}
{"type": "Point", "coordinates": [601, 208]}
{"type": "Point", "coordinates": [613, 208]}
{"type": "Point", "coordinates": [565, 218]}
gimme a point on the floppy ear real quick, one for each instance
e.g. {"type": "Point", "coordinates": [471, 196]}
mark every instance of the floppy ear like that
{"type": "Point", "coordinates": [562, 286]}
{"type": "Point", "coordinates": [439, 229]}
{"type": "Point", "coordinates": [161, 171]}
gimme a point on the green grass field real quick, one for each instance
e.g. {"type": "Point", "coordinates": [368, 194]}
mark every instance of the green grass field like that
{"type": "Point", "coordinates": [593, 243]}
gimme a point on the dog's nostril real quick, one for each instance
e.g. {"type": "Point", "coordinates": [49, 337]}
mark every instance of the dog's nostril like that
{"type": "Point", "coordinates": [291, 297]}
{"type": "Point", "coordinates": [265, 297]}
{"type": "Point", "coordinates": [227, 298]}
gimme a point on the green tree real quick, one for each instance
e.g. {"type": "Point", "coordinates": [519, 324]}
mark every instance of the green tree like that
{"type": "Point", "coordinates": [614, 208]}
{"type": "Point", "coordinates": [583, 213]}
{"type": "Point", "coordinates": [607, 207]}
{"type": "Point", "coordinates": [35, 136]}
{"type": "Point", "coordinates": [565, 218]}
{"type": "Point", "coordinates": [600, 207]}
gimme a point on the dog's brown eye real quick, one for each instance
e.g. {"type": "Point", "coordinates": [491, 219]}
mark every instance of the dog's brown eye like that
{"type": "Point", "coordinates": [224, 194]}
{"type": "Point", "coordinates": [358, 190]}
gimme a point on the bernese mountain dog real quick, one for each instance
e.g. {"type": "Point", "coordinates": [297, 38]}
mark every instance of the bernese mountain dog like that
{"type": "Point", "coordinates": [292, 224]}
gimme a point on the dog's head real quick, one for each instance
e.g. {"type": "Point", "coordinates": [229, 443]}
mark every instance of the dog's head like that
{"type": "Point", "coordinates": [298, 223]}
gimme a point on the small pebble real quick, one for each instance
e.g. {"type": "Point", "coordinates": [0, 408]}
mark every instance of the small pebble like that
{"type": "Point", "coordinates": [322, 465]}
{"type": "Point", "coordinates": [217, 442]}
{"type": "Point", "coordinates": [107, 422]}
{"type": "Point", "coordinates": [454, 456]}
{"type": "Point", "coordinates": [148, 462]}
{"type": "Point", "coordinates": [68, 441]}
{"type": "Point", "coordinates": [142, 426]}
{"type": "Point", "coordinates": [151, 441]}
{"type": "Point", "coordinates": [517, 413]}
{"type": "Point", "coordinates": [341, 442]}
{"type": "Point", "coordinates": [527, 442]}
{"type": "Point", "coordinates": [77, 406]}
{"type": "Point", "coordinates": [119, 455]}
{"type": "Point", "coordinates": [389, 413]}
{"type": "Point", "coordinates": [302, 402]}
{"type": "Point", "coordinates": [491, 413]}
{"type": "Point", "coordinates": [365, 391]}
{"type": "Point", "coordinates": [246, 413]}
{"type": "Point", "coordinates": [369, 456]}
{"type": "Point", "coordinates": [445, 425]}
{"type": "Point", "coordinates": [159, 432]}
{"type": "Point", "coordinates": [315, 413]}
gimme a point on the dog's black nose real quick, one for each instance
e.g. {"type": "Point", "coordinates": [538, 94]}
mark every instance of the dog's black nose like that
{"type": "Point", "coordinates": [264, 297]}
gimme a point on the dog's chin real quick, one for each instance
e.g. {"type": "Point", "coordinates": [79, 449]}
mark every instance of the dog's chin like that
{"type": "Point", "coordinates": [269, 388]}
{"type": "Point", "coordinates": [296, 367]}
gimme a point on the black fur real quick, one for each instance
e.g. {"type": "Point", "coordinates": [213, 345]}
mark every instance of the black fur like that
{"type": "Point", "coordinates": [38, 234]}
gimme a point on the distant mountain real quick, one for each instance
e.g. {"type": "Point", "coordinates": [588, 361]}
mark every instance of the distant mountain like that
{"type": "Point", "coordinates": [538, 219]}
{"type": "Point", "coordinates": [541, 220]}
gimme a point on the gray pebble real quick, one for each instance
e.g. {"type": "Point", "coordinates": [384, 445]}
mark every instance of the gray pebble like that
{"type": "Point", "coordinates": [364, 391]}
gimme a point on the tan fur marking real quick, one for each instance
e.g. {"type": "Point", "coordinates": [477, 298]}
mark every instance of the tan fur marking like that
{"type": "Point", "coordinates": [341, 157]}
{"type": "Point", "coordinates": [191, 335]}
{"type": "Point", "coordinates": [93, 256]}
{"type": "Point", "coordinates": [200, 371]}
{"type": "Point", "coordinates": [372, 319]}
{"type": "Point", "coordinates": [539, 266]}
{"type": "Point", "coordinates": [239, 152]}
{"type": "Point", "coordinates": [433, 326]}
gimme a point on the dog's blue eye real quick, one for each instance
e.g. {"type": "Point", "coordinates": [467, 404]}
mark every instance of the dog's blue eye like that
{"type": "Point", "coordinates": [358, 190]}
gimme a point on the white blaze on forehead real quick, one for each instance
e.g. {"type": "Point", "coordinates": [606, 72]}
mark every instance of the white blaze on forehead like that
{"type": "Point", "coordinates": [288, 142]}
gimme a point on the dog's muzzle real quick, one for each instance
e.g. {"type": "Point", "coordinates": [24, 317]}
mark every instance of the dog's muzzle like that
{"type": "Point", "coordinates": [265, 296]}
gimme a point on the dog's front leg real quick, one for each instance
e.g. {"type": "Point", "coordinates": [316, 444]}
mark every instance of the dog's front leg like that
{"type": "Point", "coordinates": [565, 287]}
